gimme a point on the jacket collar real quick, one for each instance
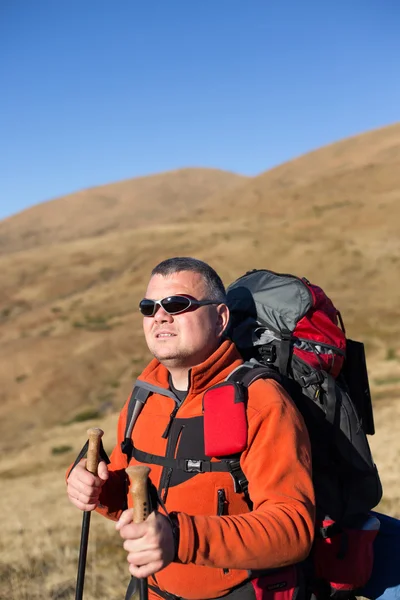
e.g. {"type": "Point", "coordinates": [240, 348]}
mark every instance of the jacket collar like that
{"type": "Point", "coordinates": [214, 370]}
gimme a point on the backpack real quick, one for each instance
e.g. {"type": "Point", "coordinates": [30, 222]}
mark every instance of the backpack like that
{"type": "Point", "coordinates": [288, 329]}
{"type": "Point", "coordinates": [284, 322]}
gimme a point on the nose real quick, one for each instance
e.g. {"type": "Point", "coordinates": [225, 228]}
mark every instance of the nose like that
{"type": "Point", "coordinates": [161, 316]}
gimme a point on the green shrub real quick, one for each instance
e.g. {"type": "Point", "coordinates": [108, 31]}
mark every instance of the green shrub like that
{"type": "Point", "coordinates": [85, 415]}
{"type": "Point", "coordinates": [61, 449]}
{"type": "Point", "coordinates": [391, 354]}
{"type": "Point", "coordinates": [93, 323]}
{"type": "Point", "coordinates": [387, 380]}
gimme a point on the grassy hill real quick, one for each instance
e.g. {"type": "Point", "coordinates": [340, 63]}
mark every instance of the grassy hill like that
{"type": "Point", "coordinates": [73, 270]}
{"type": "Point", "coordinates": [122, 206]}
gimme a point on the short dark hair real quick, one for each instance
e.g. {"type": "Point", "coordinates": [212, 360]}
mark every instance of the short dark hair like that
{"type": "Point", "coordinates": [215, 287]}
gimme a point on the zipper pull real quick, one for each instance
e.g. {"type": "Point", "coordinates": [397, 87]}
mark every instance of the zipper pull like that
{"type": "Point", "coordinates": [221, 502]}
{"type": "Point", "coordinates": [164, 498]}
{"type": "Point", "coordinates": [221, 509]}
{"type": "Point", "coordinates": [171, 418]}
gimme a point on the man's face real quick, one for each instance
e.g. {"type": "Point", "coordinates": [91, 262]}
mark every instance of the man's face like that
{"type": "Point", "coordinates": [186, 339]}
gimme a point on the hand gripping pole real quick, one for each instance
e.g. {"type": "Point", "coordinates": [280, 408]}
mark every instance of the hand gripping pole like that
{"type": "Point", "coordinates": [95, 434]}
{"type": "Point", "coordinates": [138, 476]}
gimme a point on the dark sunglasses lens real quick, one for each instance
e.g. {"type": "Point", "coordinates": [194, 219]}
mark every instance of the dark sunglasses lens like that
{"type": "Point", "coordinates": [146, 307]}
{"type": "Point", "coordinates": [175, 304]}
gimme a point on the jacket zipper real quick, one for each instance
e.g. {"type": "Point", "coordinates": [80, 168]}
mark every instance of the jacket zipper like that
{"type": "Point", "coordinates": [168, 473]}
{"type": "Point", "coordinates": [171, 419]}
{"type": "Point", "coordinates": [220, 511]}
{"type": "Point", "coordinates": [221, 502]}
{"type": "Point", "coordinates": [169, 453]}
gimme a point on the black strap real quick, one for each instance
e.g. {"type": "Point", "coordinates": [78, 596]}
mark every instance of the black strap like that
{"type": "Point", "coordinates": [330, 399]}
{"type": "Point", "coordinates": [239, 478]}
{"type": "Point", "coordinates": [132, 588]}
{"type": "Point", "coordinates": [188, 465]}
{"type": "Point", "coordinates": [137, 588]}
{"type": "Point", "coordinates": [163, 594]}
{"type": "Point", "coordinates": [284, 352]}
{"type": "Point", "coordinates": [248, 374]}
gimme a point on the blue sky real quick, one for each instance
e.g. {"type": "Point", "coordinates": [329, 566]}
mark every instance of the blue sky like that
{"type": "Point", "coordinates": [94, 91]}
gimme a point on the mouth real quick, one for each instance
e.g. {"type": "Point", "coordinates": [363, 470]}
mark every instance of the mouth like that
{"type": "Point", "coordinates": [164, 335]}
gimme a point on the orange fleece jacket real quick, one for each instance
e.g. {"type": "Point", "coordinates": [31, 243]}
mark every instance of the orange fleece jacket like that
{"type": "Point", "coordinates": [216, 552]}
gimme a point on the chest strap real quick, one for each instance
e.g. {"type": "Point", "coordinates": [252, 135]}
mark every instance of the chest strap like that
{"type": "Point", "coordinates": [188, 465]}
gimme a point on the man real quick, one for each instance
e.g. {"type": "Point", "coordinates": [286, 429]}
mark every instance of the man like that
{"type": "Point", "coordinates": [218, 544]}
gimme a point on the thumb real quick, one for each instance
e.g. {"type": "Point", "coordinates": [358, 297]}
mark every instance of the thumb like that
{"type": "Point", "coordinates": [102, 471]}
{"type": "Point", "coordinates": [125, 519]}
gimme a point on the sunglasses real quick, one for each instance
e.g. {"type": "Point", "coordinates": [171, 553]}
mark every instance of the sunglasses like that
{"type": "Point", "coordinates": [173, 305]}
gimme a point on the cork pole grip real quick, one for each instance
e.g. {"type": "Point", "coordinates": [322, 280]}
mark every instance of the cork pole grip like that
{"type": "Point", "coordinates": [95, 434]}
{"type": "Point", "coordinates": [138, 477]}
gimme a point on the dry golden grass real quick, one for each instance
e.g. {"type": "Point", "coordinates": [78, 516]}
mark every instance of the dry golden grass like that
{"type": "Point", "coordinates": [72, 272]}
{"type": "Point", "coordinates": [121, 206]}
{"type": "Point", "coordinates": [40, 530]}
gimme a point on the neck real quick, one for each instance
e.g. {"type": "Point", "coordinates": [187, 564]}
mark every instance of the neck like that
{"type": "Point", "coordinates": [180, 378]}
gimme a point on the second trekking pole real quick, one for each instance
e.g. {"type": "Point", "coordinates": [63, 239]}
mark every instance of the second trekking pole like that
{"type": "Point", "coordinates": [138, 476]}
{"type": "Point", "coordinates": [95, 434]}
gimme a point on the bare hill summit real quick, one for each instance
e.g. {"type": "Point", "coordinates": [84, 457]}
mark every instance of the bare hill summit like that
{"type": "Point", "coordinates": [114, 207]}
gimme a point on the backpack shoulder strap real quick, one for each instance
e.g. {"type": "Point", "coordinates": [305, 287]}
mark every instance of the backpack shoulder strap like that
{"type": "Point", "coordinates": [138, 399]}
{"type": "Point", "coordinates": [245, 375]}
{"type": "Point", "coordinates": [249, 372]}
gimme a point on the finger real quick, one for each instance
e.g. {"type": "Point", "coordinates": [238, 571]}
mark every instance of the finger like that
{"type": "Point", "coordinates": [82, 498]}
{"type": "Point", "coordinates": [139, 555]}
{"type": "Point", "coordinates": [140, 559]}
{"type": "Point", "coordinates": [85, 500]}
{"type": "Point", "coordinates": [145, 570]}
{"type": "Point", "coordinates": [87, 496]}
{"type": "Point", "coordinates": [78, 487]}
{"type": "Point", "coordinates": [140, 545]}
{"type": "Point", "coordinates": [102, 471]}
{"type": "Point", "coordinates": [82, 505]}
{"type": "Point", "coordinates": [125, 519]}
{"type": "Point", "coordinates": [132, 531]}
{"type": "Point", "coordinates": [79, 473]}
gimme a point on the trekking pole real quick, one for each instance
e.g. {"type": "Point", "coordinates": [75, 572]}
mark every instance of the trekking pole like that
{"type": "Point", "coordinates": [95, 434]}
{"type": "Point", "coordinates": [138, 476]}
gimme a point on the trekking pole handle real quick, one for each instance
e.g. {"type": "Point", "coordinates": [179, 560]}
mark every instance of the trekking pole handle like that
{"type": "Point", "coordinates": [138, 477]}
{"type": "Point", "coordinates": [95, 434]}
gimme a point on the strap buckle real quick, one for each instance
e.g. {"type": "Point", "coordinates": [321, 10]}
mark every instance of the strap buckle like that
{"type": "Point", "coordinates": [194, 466]}
{"type": "Point", "coordinates": [267, 353]}
{"type": "Point", "coordinates": [239, 479]}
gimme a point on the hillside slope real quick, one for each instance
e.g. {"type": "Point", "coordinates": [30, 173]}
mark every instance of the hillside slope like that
{"type": "Point", "coordinates": [70, 332]}
{"type": "Point", "coordinates": [115, 207]}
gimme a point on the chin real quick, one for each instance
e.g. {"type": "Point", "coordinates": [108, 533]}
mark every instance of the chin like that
{"type": "Point", "coordinates": [172, 361]}
{"type": "Point", "coordinates": [164, 356]}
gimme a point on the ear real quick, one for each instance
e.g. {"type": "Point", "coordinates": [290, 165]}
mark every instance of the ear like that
{"type": "Point", "coordinates": [222, 319]}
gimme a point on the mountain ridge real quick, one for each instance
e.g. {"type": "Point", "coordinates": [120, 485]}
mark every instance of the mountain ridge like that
{"type": "Point", "coordinates": [68, 307]}
{"type": "Point", "coordinates": [112, 207]}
